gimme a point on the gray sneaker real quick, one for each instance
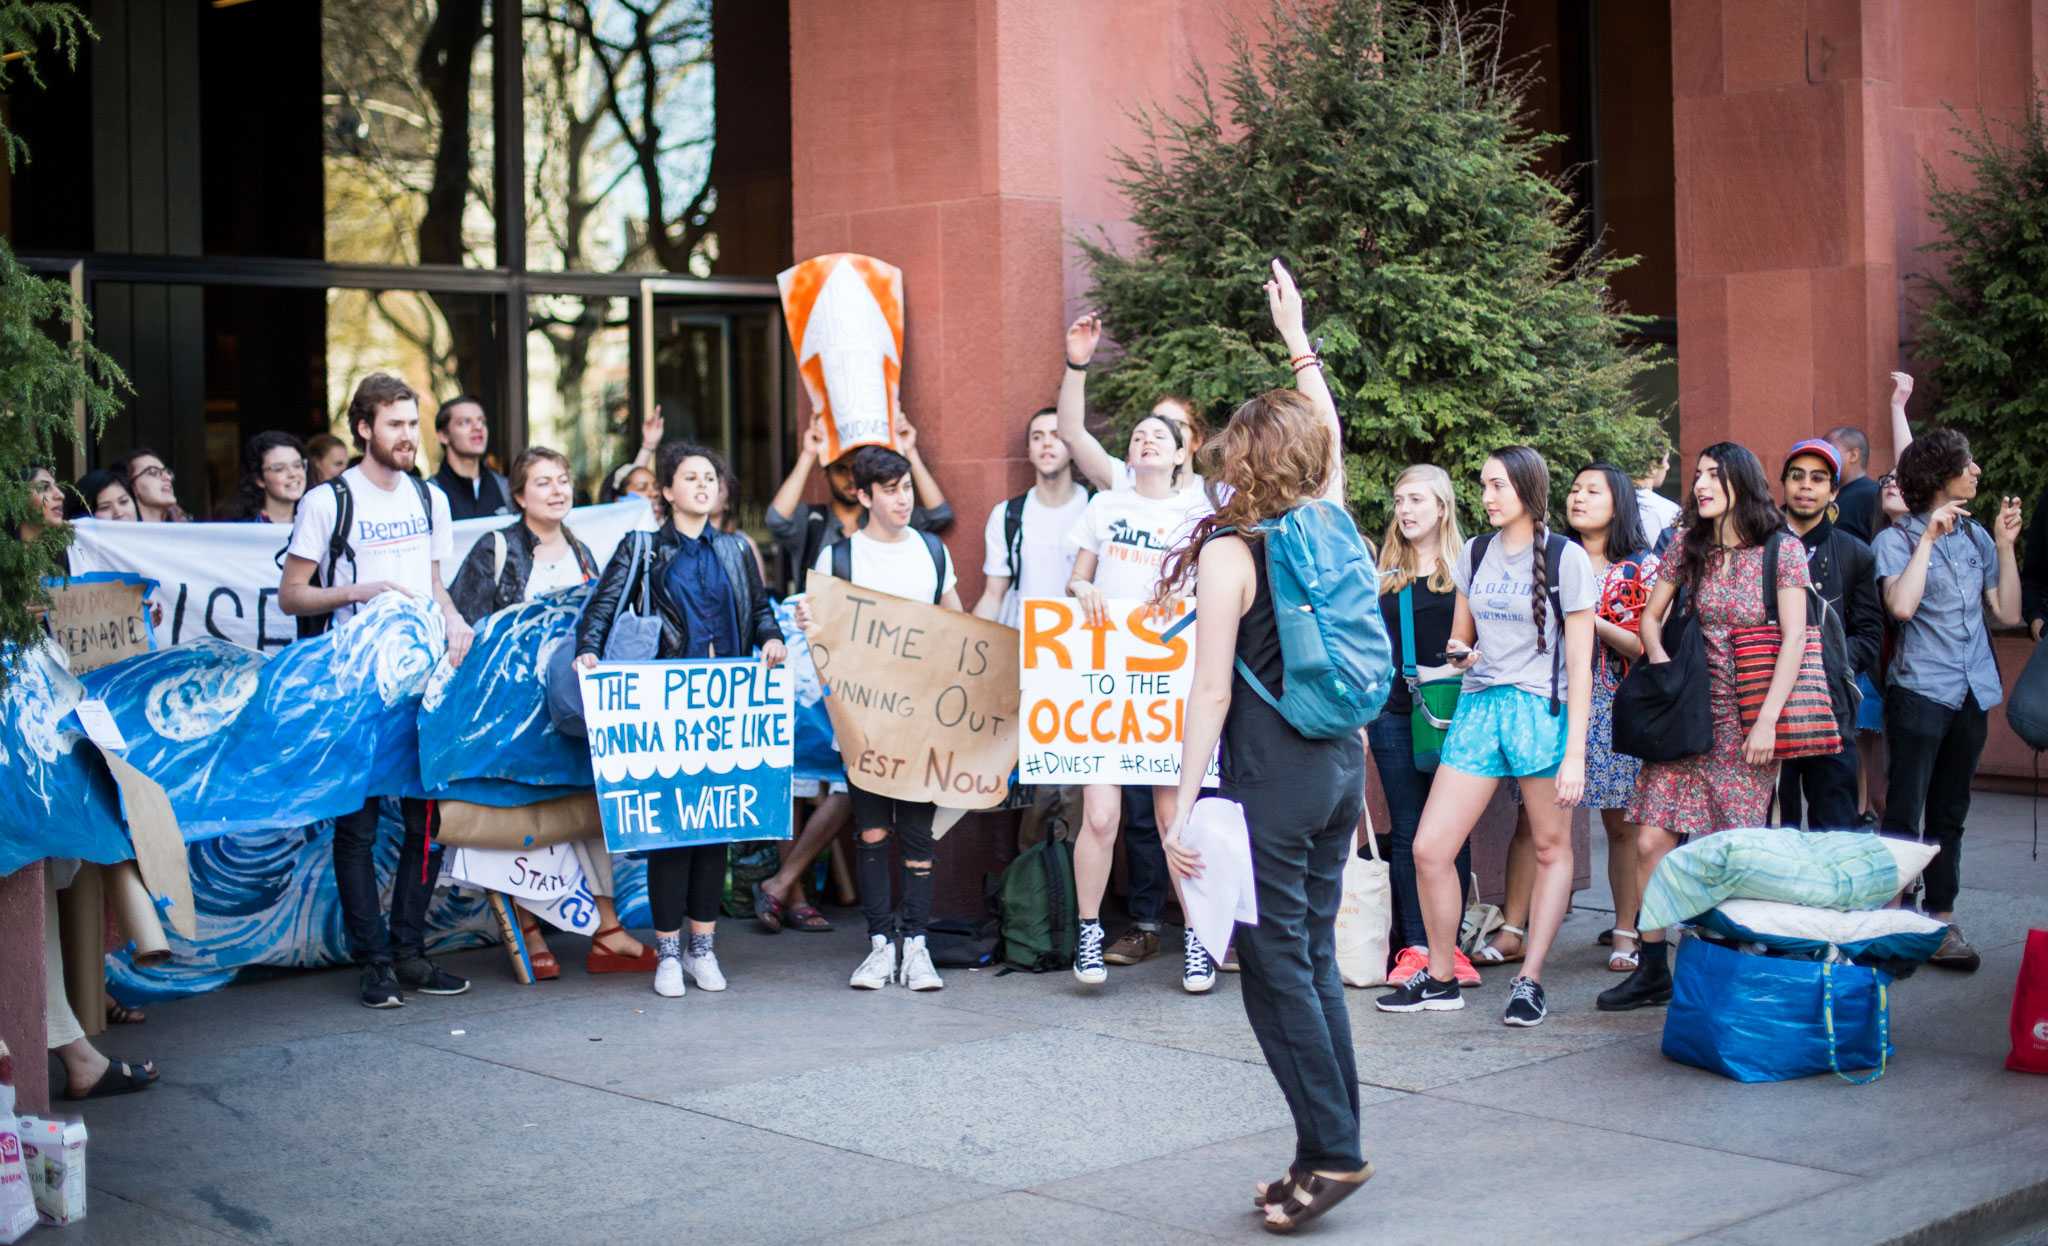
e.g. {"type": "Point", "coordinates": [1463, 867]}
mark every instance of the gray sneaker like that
{"type": "Point", "coordinates": [1956, 953]}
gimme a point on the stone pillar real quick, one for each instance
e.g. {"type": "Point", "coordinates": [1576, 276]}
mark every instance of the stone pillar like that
{"type": "Point", "coordinates": [924, 133]}
{"type": "Point", "coordinates": [22, 1022]}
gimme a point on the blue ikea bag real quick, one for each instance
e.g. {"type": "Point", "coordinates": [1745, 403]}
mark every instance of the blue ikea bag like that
{"type": "Point", "coordinates": [1337, 663]}
{"type": "Point", "coordinates": [1771, 1019]}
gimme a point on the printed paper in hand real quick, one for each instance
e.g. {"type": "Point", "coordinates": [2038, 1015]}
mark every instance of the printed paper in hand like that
{"type": "Point", "coordinates": [1223, 895]}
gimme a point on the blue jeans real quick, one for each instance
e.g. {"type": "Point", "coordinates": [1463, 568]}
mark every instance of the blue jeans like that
{"type": "Point", "coordinates": [1392, 738]}
{"type": "Point", "coordinates": [1145, 858]}
{"type": "Point", "coordinates": [370, 940]}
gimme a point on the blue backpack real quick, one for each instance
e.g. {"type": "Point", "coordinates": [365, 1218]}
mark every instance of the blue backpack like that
{"type": "Point", "coordinates": [1338, 664]}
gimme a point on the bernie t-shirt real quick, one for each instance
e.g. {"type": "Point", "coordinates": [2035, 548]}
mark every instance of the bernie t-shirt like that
{"type": "Point", "coordinates": [390, 538]}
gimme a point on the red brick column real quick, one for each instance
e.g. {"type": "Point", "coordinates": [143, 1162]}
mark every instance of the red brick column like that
{"type": "Point", "coordinates": [22, 1017]}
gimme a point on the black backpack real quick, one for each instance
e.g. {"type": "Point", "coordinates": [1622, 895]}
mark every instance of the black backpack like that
{"type": "Point", "coordinates": [1013, 529]}
{"type": "Point", "coordinates": [842, 562]}
{"type": "Point", "coordinates": [311, 625]}
{"type": "Point", "coordinates": [1843, 693]}
{"type": "Point", "coordinates": [1553, 565]}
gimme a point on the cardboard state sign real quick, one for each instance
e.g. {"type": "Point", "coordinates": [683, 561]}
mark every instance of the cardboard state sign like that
{"type": "Point", "coordinates": [100, 618]}
{"type": "Point", "coordinates": [923, 699]}
{"type": "Point", "coordinates": [845, 316]}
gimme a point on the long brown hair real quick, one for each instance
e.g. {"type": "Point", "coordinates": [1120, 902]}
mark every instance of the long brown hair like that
{"type": "Point", "coordinates": [1529, 475]}
{"type": "Point", "coordinates": [1272, 456]}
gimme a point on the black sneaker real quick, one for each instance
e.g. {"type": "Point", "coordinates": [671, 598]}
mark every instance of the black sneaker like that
{"type": "Point", "coordinates": [1525, 1003]}
{"type": "Point", "coordinates": [380, 987]}
{"type": "Point", "coordinates": [417, 973]}
{"type": "Point", "coordinates": [1956, 953]}
{"type": "Point", "coordinates": [1647, 987]}
{"type": "Point", "coordinates": [1422, 993]}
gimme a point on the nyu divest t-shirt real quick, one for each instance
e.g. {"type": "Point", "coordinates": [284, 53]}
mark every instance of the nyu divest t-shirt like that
{"type": "Point", "coordinates": [390, 535]}
{"type": "Point", "coordinates": [1131, 534]}
{"type": "Point", "coordinates": [1500, 596]}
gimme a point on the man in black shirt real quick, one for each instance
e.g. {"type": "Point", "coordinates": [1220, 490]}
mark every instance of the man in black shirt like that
{"type": "Point", "coordinates": [473, 489]}
{"type": "Point", "coordinates": [1844, 572]}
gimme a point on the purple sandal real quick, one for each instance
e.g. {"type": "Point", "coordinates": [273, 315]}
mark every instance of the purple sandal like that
{"type": "Point", "coordinates": [807, 918]}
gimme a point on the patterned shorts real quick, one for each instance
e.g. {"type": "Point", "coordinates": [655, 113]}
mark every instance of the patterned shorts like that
{"type": "Point", "coordinates": [1506, 733]}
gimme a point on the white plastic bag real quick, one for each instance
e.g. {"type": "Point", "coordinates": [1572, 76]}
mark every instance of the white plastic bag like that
{"type": "Point", "coordinates": [1365, 918]}
{"type": "Point", "coordinates": [17, 1201]}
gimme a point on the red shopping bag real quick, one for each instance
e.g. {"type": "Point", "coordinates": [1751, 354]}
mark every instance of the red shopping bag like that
{"type": "Point", "coordinates": [2030, 1008]}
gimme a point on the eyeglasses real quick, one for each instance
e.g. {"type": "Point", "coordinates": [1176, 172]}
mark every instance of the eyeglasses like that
{"type": "Point", "coordinates": [1887, 480]}
{"type": "Point", "coordinates": [158, 470]}
{"type": "Point", "coordinates": [284, 469]}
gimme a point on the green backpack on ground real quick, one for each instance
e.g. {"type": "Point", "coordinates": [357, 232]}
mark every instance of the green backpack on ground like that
{"type": "Point", "coordinates": [1036, 910]}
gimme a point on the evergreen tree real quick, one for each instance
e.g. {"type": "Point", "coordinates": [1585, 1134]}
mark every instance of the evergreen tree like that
{"type": "Point", "coordinates": [44, 375]}
{"type": "Point", "coordinates": [1375, 145]}
{"type": "Point", "coordinates": [1985, 325]}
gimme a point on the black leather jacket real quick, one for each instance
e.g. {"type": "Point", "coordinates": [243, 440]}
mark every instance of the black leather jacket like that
{"type": "Point", "coordinates": [753, 617]}
{"type": "Point", "coordinates": [473, 593]}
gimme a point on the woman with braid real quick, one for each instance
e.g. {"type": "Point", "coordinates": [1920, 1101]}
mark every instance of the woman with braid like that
{"type": "Point", "coordinates": [1522, 632]}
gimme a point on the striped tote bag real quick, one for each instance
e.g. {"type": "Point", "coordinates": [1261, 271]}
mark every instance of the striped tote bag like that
{"type": "Point", "coordinates": [1807, 725]}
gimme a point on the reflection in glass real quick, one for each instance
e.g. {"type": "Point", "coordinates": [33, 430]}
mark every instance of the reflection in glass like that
{"type": "Point", "coordinates": [406, 125]}
{"type": "Point", "coordinates": [411, 335]}
{"type": "Point", "coordinates": [619, 130]}
{"type": "Point", "coordinates": [579, 383]}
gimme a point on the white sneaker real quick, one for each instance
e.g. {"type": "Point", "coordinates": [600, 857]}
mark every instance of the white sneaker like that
{"type": "Point", "coordinates": [879, 969]}
{"type": "Point", "coordinates": [1197, 970]}
{"type": "Point", "coordinates": [703, 970]}
{"type": "Point", "coordinates": [668, 978]}
{"type": "Point", "coordinates": [918, 972]}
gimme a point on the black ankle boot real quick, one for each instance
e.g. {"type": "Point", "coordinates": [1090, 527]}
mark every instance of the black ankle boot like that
{"type": "Point", "coordinates": [1649, 985]}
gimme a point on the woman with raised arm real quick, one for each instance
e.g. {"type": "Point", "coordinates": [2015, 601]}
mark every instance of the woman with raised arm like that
{"type": "Point", "coordinates": [1094, 462]}
{"type": "Point", "coordinates": [1301, 797]}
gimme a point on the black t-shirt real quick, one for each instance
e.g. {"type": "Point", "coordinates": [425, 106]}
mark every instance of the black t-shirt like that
{"type": "Point", "coordinates": [1433, 613]}
{"type": "Point", "coordinates": [1856, 509]}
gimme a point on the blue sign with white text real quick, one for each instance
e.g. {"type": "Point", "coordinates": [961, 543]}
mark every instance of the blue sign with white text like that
{"type": "Point", "coordinates": [688, 753]}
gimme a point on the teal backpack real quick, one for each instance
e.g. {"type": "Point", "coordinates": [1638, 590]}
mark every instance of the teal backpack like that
{"type": "Point", "coordinates": [1338, 663]}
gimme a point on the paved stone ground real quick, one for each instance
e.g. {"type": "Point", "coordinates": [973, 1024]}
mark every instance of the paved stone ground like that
{"type": "Point", "coordinates": [791, 1109]}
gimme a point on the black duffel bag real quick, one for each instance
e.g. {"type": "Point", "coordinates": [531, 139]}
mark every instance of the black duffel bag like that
{"type": "Point", "coordinates": [1661, 712]}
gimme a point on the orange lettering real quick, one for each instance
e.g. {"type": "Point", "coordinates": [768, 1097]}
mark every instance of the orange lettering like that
{"type": "Point", "coordinates": [1044, 734]}
{"type": "Point", "coordinates": [1157, 713]}
{"type": "Point", "coordinates": [1038, 636]}
{"type": "Point", "coordinates": [1074, 735]}
{"type": "Point", "coordinates": [1176, 649]}
{"type": "Point", "coordinates": [1130, 733]}
{"type": "Point", "coordinates": [1096, 731]}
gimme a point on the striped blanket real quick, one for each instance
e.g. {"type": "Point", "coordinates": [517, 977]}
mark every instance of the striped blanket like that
{"type": "Point", "coordinates": [1842, 870]}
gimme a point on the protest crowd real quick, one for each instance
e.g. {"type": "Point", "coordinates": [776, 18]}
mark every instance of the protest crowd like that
{"type": "Point", "coordinates": [1733, 661]}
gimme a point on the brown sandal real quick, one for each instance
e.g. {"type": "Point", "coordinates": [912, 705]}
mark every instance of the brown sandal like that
{"type": "Point", "coordinates": [1275, 1191]}
{"type": "Point", "coordinates": [603, 960]}
{"type": "Point", "coordinates": [1312, 1196]}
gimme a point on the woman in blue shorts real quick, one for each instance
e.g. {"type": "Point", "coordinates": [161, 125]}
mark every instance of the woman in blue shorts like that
{"type": "Point", "coordinates": [1523, 634]}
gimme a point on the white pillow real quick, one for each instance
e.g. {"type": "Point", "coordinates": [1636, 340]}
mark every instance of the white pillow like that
{"type": "Point", "coordinates": [1910, 856]}
{"type": "Point", "coordinates": [1797, 921]}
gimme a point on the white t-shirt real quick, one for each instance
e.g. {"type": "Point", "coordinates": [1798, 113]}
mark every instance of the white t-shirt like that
{"type": "Point", "coordinates": [1042, 548]}
{"type": "Point", "coordinates": [1131, 534]}
{"type": "Point", "coordinates": [546, 577]}
{"type": "Point", "coordinates": [900, 568]}
{"type": "Point", "coordinates": [1659, 512]}
{"type": "Point", "coordinates": [390, 538]}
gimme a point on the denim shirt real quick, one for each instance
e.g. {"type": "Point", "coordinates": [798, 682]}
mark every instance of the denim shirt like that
{"type": "Point", "coordinates": [696, 584]}
{"type": "Point", "coordinates": [1944, 650]}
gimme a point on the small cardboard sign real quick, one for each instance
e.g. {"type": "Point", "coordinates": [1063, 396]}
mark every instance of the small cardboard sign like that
{"type": "Point", "coordinates": [845, 317]}
{"type": "Point", "coordinates": [923, 699]}
{"type": "Point", "coordinates": [691, 752]}
{"type": "Point", "coordinates": [101, 617]}
{"type": "Point", "coordinates": [1104, 704]}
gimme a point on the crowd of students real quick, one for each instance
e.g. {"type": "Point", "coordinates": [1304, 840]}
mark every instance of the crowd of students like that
{"type": "Point", "coordinates": [1508, 649]}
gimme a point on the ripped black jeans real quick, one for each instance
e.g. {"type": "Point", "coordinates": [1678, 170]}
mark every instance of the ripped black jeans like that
{"type": "Point", "coordinates": [911, 824]}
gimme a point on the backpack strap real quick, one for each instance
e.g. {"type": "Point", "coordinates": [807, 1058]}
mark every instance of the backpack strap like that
{"type": "Point", "coordinates": [937, 549]}
{"type": "Point", "coordinates": [426, 505]}
{"type": "Point", "coordinates": [813, 541]}
{"type": "Point", "coordinates": [842, 560]}
{"type": "Point", "coordinates": [338, 545]}
{"type": "Point", "coordinates": [1408, 663]}
{"type": "Point", "coordinates": [1013, 532]}
{"type": "Point", "coordinates": [1553, 565]}
{"type": "Point", "coordinates": [1770, 584]}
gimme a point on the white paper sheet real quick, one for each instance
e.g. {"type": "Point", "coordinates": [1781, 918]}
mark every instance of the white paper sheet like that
{"type": "Point", "coordinates": [99, 725]}
{"type": "Point", "coordinates": [1223, 895]}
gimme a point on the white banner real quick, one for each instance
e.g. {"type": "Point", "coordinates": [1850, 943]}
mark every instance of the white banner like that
{"type": "Point", "coordinates": [220, 579]}
{"type": "Point", "coordinates": [1103, 705]}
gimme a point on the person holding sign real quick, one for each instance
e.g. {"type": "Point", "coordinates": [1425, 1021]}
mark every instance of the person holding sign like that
{"type": "Point", "coordinates": [1302, 796]}
{"type": "Point", "coordinates": [1523, 635]}
{"type": "Point", "coordinates": [889, 556]}
{"type": "Point", "coordinates": [711, 603]}
{"type": "Point", "coordinates": [1121, 542]}
{"type": "Point", "coordinates": [802, 529]}
{"type": "Point", "coordinates": [533, 556]}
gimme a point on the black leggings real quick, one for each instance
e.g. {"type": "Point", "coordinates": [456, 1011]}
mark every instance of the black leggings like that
{"type": "Point", "coordinates": [685, 883]}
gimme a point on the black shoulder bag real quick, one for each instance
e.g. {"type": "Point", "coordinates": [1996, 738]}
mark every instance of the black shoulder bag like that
{"type": "Point", "coordinates": [1661, 711]}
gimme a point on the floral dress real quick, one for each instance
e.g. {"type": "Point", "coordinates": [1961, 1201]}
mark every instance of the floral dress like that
{"type": "Point", "coordinates": [1611, 776]}
{"type": "Point", "coordinates": [1718, 791]}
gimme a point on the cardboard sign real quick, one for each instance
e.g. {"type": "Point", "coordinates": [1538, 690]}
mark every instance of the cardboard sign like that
{"type": "Point", "coordinates": [689, 753]}
{"type": "Point", "coordinates": [845, 316]}
{"type": "Point", "coordinates": [100, 618]}
{"type": "Point", "coordinates": [552, 882]}
{"type": "Point", "coordinates": [1107, 704]}
{"type": "Point", "coordinates": [923, 700]}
